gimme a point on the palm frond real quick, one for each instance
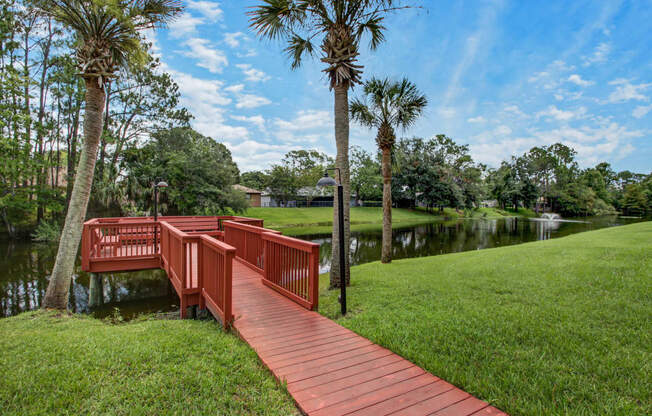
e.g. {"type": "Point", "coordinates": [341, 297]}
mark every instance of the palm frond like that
{"type": "Point", "coordinates": [386, 102]}
{"type": "Point", "coordinates": [277, 18]}
{"type": "Point", "coordinates": [107, 31]}
{"type": "Point", "coordinates": [297, 48]}
{"type": "Point", "coordinates": [361, 113]}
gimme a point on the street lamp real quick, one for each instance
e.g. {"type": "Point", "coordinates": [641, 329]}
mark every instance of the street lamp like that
{"type": "Point", "coordinates": [161, 184]}
{"type": "Point", "coordinates": [325, 182]}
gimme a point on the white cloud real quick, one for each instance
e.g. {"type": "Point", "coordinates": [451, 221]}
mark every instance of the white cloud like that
{"type": "Point", "coordinates": [253, 74]}
{"type": "Point", "coordinates": [305, 120]}
{"type": "Point", "coordinates": [235, 89]}
{"type": "Point", "coordinates": [209, 9]}
{"type": "Point", "coordinates": [251, 101]}
{"type": "Point", "coordinates": [478, 119]}
{"type": "Point", "coordinates": [641, 110]}
{"type": "Point", "coordinates": [626, 91]}
{"type": "Point", "coordinates": [561, 115]}
{"type": "Point", "coordinates": [593, 144]}
{"type": "Point", "coordinates": [258, 120]}
{"type": "Point", "coordinates": [538, 76]}
{"type": "Point", "coordinates": [250, 53]}
{"type": "Point", "coordinates": [446, 112]}
{"type": "Point", "coordinates": [503, 130]}
{"type": "Point", "coordinates": [600, 54]}
{"type": "Point", "coordinates": [576, 79]}
{"type": "Point", "coordinates": [205, 100]}
{"type": "Point", "coordinates": [196, 90]}
{"type": "Point", "coordinates": [515, 111]}
{"type": "Point", "coordinates": [256, 155]}
{"type": "Point", "coordinates": [231, 39]}
{"type": "Point", "coordinates": [185, 24]}
{"type": "Point", "coordinates": [207, 56]}
{"type": "Point", "coordinates": [308, 127]}
{"type": "Point", "coordinates": [552, 76]}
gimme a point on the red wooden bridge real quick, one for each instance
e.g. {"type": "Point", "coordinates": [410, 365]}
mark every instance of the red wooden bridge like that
{"type": "Point", "coordinates": [266, 286]}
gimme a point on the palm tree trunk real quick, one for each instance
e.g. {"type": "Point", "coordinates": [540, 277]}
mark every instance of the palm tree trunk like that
{"type": "Point", "coordinates": [58, 290]}
{"type": "Point", "coordinates": [386, 255]}
{"type": "Point", "coordinates": [341, 162]}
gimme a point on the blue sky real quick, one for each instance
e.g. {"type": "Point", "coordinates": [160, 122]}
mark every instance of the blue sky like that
{"type": "Point", "coordinates": [501, 76]}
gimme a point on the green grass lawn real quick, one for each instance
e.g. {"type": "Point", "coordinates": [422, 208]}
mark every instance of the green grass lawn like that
{"type": "Point", "coordinates": [297, 221]}
{"type": "Point", "coordinates": [557, 327]}
{"type": "Point", "coordinates": [78, 365]}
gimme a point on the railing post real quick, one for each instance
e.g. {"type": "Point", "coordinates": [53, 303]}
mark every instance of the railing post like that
{"type": "Point", "coordinates": [86, 248]}
{"type": "Point", "coordinates": [228, 285]}
{"type": "Point", "coordinates": [200, 273]}
{"type": "Point", "coordinates": [184, 265]}
{"type": "Point", "coordinates": [314, 277]}
{"type": "Point", "coordinates": [266, 257]}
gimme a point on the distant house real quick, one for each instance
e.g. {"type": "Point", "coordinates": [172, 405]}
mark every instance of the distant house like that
{"type": "Point", "coordinates": [252, 195]}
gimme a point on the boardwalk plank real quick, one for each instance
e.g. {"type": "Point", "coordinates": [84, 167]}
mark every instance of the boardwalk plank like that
{"type": "Point", "coordinates": [330, 370]}
{"type": "Point", "coordinates": [466, 407]}
{"type": "Point", "coordinates": [376, 396]}
{"type": "Point", "coordinates": [433, 404]}
{"type": "Point", "coordinates": [406, 400]}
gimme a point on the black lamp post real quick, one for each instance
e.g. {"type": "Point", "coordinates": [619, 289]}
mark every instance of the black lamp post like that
{"type": "Point", "coordinates": [328, 181]}
{"type": "Point", "coordinates": [161, 184]}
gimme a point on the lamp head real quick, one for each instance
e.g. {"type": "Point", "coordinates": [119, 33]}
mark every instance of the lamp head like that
{"type": "Point", "coordinates": [326, 181]}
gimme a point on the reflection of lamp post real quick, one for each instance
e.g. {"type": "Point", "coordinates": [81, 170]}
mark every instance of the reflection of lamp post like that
{"type": "Point", "coordinates": [161, 184]}
{"type": "Point", "coordinates": [328, 181]}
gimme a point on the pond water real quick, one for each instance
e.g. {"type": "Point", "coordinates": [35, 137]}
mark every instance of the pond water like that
{"type": "Point", "coordinates": [460, 235]}
{"type": "Point", "coordinates": [24, 266]}
{"type": "Point", "coordinates": [24, 270]}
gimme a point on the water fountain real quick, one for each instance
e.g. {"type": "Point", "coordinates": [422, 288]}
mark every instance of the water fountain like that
{"type": "Point", "coordinates": [550, 216]}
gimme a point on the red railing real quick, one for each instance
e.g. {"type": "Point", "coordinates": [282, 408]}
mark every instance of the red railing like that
{"type": "Point", "coordinates": [197, 262]}
{"type": "Point", "coordinates": [248, 243]}
{"type": "Point", "coordinates": [198, 265]}
{"type": "Point", "coordinates": [292, 268]}
{"type": "Point", "coordinates": [215, 262]}
{"type": "Point", "coordinates": [125, 241]}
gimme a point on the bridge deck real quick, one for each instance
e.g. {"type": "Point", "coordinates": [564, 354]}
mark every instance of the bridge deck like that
{"type": "Point", "coordinates": [330, 370]}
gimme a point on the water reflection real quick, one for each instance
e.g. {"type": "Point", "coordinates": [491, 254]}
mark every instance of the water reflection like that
{"type": "Point", "coordinates": [24, 270]}
{"type": "Point", "coordinates": [456, 236]}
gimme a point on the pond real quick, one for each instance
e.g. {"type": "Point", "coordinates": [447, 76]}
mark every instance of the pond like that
{"type": "Point", "coordinates": [24, 266]}
{"type": "Point", "coordinates": [460, 235]}
{"type": "Point", "coordinates": [24, 269]}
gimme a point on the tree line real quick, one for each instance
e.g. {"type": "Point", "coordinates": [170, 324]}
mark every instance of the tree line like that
{"type": "Point", "coordinates": [436, 173]}
{"type": "Point", "coordinates": [145, 134]}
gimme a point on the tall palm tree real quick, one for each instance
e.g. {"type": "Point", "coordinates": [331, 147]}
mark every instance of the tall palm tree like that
{"type": "Point", "coordinates": [387, 105]}
{"type": "Point", "coordinates": [107, 39]}
{"type": "Point", "coordinates": [338, 26]}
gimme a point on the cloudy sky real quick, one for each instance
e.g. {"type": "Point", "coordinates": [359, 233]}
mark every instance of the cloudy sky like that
{"type": "Point", "coordinates": [501, 76]}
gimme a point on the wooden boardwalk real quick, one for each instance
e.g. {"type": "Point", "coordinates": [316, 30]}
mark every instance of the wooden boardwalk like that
{"type": "Point", "coordinates": [330, 370]}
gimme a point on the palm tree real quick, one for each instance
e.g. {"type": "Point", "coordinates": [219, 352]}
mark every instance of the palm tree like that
{"type": "Point", "coordinates": [107, 39]}
{"type": "Point", "coordinates": [387, 105]}
{"type": "Point", "coordinates": [338, 26]}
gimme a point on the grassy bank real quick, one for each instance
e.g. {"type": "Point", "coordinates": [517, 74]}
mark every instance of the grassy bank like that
{"type": "Point", "coordinates": [556, 327]}
{"type": "Point", "coordinates": [296, 221]}
{"type": "Point", "coordinates": [320, 220]}
{"type": "Point", "coordinates": [78, 365]}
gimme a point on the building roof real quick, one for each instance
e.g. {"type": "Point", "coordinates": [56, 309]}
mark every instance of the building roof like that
{"type": "Point", "coordinates": [245, 189]}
